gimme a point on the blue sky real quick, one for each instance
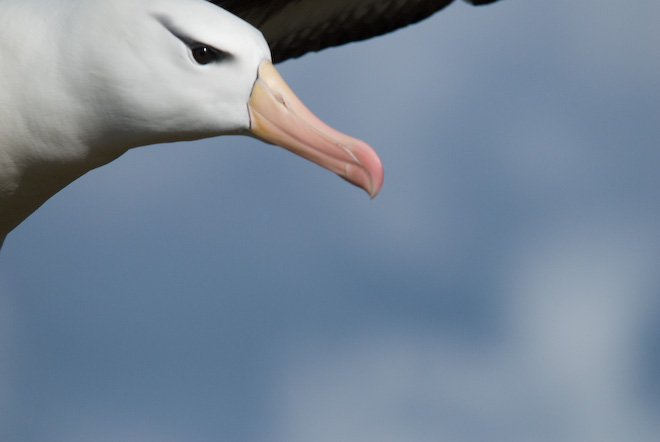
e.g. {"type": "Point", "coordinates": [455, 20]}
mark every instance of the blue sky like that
{"type": "Point", "coordinates": [503, 286]}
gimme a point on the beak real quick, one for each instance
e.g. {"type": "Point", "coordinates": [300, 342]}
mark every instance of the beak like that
{"type": "Point", "coordinates": [278, 117]}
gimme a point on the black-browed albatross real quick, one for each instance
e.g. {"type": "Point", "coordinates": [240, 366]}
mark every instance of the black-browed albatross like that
{"type": "Point", "coordinates": [83, 81]}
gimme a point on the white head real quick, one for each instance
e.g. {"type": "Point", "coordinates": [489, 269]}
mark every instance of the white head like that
{"type": "Point", "coordinates": [167, 70]}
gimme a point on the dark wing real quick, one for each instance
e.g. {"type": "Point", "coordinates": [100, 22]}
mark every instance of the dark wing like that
{"type": "Point", "coordinates": [295, 27]}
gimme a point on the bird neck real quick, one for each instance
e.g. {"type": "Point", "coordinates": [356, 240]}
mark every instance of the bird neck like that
{"type": "Point", "coordinates": [29, 177]}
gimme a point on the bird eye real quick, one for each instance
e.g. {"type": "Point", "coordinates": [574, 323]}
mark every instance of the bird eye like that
{"type": "Point", "coordinates": [206, 54]}
{"type": "Point", "coordinates": [202, 54]}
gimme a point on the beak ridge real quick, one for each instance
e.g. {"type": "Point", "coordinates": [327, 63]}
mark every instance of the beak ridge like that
{"type": "Point", "coordinates": [278, 117]}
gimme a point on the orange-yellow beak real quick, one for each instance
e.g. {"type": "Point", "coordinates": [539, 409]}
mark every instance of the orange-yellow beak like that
{"type": "Point", "coordinates": [278, 117]}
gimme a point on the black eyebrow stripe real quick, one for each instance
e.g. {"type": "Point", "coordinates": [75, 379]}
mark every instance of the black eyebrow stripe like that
{"type": "Point", "coordinates": [188, 41]}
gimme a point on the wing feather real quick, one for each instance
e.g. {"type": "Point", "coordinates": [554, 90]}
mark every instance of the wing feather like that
{"type": "Point", "coordinates": [295, 27]}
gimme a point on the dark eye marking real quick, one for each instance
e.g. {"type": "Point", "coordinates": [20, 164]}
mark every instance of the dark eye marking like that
{"type": "Point", "coordinates": [201, 52]}
{"type": "Point", "coordinates": [204, 54]}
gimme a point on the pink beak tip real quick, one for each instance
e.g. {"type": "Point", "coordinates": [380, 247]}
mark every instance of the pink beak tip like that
{"type": "Point", "coordinates": [369, 173]}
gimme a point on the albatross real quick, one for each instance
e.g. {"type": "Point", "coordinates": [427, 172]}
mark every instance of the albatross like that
{"type": "Point", "coordinates": [83, 81]}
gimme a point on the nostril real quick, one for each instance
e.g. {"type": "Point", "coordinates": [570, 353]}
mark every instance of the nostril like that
{"type": "Point", "coordinates": [280, 98]}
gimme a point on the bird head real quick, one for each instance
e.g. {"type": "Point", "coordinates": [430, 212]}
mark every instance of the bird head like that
{"type": "Point", "coordinates": [187, 69]}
